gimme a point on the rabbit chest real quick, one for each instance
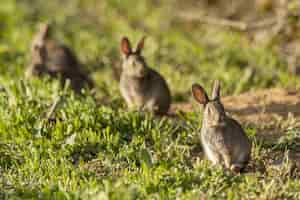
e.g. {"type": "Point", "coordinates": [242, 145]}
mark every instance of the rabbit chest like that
{"type": "Point", "coordinates": [227, 140]}
{"type": "Point", "coordinates": [135, 89]}
{"type": "Point", "coordinates": [211, 138]}
{"type": "Point", "coordinates": [217, 136]}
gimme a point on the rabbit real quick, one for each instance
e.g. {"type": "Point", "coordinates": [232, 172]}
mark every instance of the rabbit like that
{"type": "Point", "coordinates": [223, 139]}
{"type": "Point", "coordinates": [59, 60]}
{"type": "Point", "coordinates": [142, 87]}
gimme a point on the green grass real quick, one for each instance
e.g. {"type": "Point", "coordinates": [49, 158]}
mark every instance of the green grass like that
{"type": "Point", "coordinates": [95, 151]}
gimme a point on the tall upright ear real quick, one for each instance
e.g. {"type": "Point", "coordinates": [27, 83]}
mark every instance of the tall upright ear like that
{"type": "Point", "coordinates": [40, 37]}
{"type": "Point", "coordinates": [199, 94]}
{"type": "Point", "coordinates": [44, 30]}
{"type": "Point", "coordinates": [140, 45]}
{"type": "Point", "coordinates": [216, 90]}
{"type": "Point", "coordinates": [125, 46]}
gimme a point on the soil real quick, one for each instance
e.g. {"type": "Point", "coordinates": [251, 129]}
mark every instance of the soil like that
{"type": "Point", "coordinates": [265, 107]}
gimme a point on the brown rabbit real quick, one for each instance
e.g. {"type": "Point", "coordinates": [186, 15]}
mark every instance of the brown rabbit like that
{"type": "Point", "coordinates": [58, 60]}
{"type": "Point", "coordinates": [142, 87]}
{"type": "Point", "coordinates": [223, 139]}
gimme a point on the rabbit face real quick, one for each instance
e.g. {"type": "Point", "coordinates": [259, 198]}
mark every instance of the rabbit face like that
{"type": "Point", "coordinates": [133, 62]}
{"type": "Point", "coordinates": [214, 113]}
{"type": "Point", "coordinates": [134, 65]}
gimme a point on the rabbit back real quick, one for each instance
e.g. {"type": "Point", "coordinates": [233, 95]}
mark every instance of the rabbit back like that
{"type": "Point", "coordinates": [62, 61]}
{"type": "Point", "coordinates": [238, 143]}
{"type": "Point", "coordinates": [60, 58]}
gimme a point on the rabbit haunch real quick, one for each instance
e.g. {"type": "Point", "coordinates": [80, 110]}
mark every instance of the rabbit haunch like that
{"type": "Point", "coordinates": [142, 87]}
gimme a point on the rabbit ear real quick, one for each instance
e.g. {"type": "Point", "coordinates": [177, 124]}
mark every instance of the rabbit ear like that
{"type": "Point", "coordinates": [44, 30]}
{"type": "Point", "coordinates": [216, 90]}
{"type": "Point", "coordinates": [140, 45]}
{"type": "Point", "coordinates": [199, 94]}
{"type": "Point", "coordinates": [125, 46]}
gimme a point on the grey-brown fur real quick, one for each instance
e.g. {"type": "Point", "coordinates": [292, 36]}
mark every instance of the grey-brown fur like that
{"type": "Point", "coordinates": [223, 139]}
{"type": "Point", "coordinates": [142, 87]}
{"type": "Point", "coordinates": [59, 61]}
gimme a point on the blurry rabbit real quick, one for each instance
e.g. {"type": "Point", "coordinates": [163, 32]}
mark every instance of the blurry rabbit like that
{"type": "Point", "coordinates": [223, 139]}
{"type": "Point", "coordinates": [58, 60]}
{"type": "Point", "coordinates": [142, 87]}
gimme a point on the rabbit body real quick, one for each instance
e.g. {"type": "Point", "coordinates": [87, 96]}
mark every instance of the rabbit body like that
{"type": "Point", "coordinates": [226, 143]}
{"type": "Point", "coordinates": [223, 139]}
{"type": "Point", "coordinates": [59, 61]}
{"type": "Point", "coordinates": [142, 87]}
{"type": "Point", "coordinates": [62, 61]}
{"type": "Point", "coordinates": [149, 92]}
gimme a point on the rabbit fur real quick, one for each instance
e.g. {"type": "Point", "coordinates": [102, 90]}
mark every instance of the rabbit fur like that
{"type": "Point", "coordinates": [223, 139]}
{"type": "Point", "coordinates": [142, 87]}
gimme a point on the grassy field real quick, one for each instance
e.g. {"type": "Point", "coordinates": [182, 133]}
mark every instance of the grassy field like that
{"type": "Point", "coordinates": [95, 150]}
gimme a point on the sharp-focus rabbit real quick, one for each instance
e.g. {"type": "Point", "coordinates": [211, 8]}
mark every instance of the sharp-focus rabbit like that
{"type": "Point", "coordinates": [142, 87]}
{"type": "Point", "coordinates": [58, 60]}
{"type": "Point", "coordinates": [223, 139]}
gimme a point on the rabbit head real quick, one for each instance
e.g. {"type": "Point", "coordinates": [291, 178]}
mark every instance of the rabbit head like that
{"type": "Point", "coordinates": [37, 66]}
{"type": "Point", "coordinates": [38, 51]}
{"type": "Point", "coordinates": [214, 112]}
{"type": "Point", "coordinates": [133, 62]}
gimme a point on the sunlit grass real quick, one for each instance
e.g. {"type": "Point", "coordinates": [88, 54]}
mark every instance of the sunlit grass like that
{"type": "Point", "coordinates": [95, 150]}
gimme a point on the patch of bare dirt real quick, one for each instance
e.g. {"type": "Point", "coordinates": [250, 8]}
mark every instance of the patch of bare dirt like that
{"type": "Point", "coordinates": [261, 107]}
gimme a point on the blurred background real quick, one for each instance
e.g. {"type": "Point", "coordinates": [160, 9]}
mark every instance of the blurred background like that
{"type": "Point", "coordinates": [245, 44]}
